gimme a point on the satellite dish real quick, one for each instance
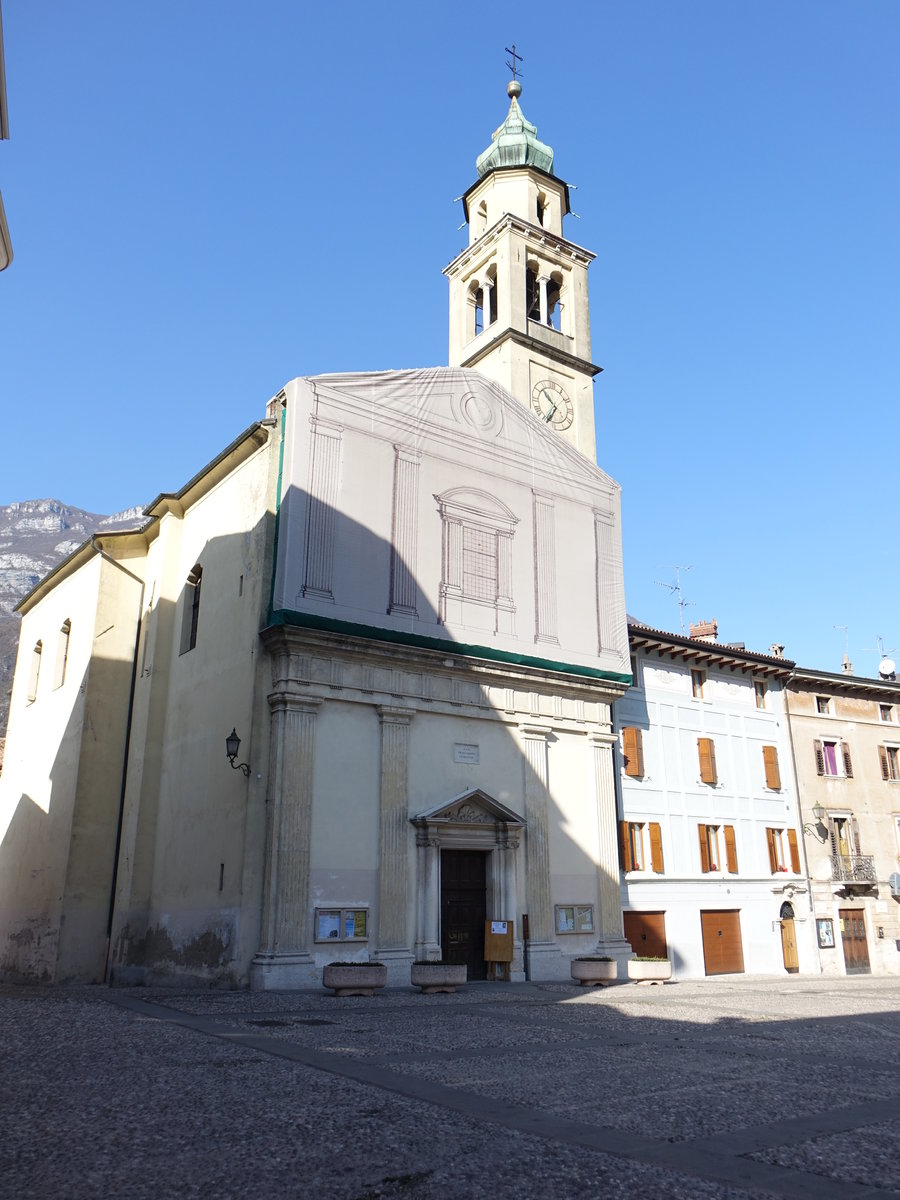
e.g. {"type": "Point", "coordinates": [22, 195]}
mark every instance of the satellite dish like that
{"type": "Point", "coordinates": [887, 668]}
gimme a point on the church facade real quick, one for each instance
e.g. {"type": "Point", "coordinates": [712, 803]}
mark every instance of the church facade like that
{"type": "Point", "coordinates": [404, 591]}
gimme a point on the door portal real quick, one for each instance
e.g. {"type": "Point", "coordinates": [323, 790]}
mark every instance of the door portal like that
{"type": "Point", "coordinates": [853, 939]}
{"type": "Point", "coordinates": [723, 953]}
{"type": "Point", "coordinates": [647, 933]}
{"type": "Point", "coordinates": [464, 909]}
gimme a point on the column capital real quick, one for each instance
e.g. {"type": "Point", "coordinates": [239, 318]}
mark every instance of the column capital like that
{"type": "Point", "coordinates": [597, 737]}
{"type": "Point", "coordinates": [294, 702]}
{"type": "Point", "coordinates": [390, 715]}
{"type": "Point", "coordinates": [536, 732]}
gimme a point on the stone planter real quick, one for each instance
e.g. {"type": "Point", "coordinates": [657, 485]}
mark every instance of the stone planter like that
{"type": "Point", "coordinates": [438, 976]}
{"type": "Point", "coordinates": [593, 973]}
{"type": "Point", "coordinates": [649, 971]}
{"type": "Point", "coordinates": [354, 979]}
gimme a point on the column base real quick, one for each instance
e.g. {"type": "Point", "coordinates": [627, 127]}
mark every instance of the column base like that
{"type": "Point", "coordinates": [428, 950]}
{"type": "Point", "coordinates": [617, 948]}
{"type": "Point", "coordinates": [398, 963]}
{"type": "Point", "coordinates": [283, 972]}
{"type": "Point", "coordinates": [545, 962]}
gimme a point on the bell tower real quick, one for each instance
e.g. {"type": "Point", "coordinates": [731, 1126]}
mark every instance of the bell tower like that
{"type": "Point", "coordinates": [519, 291]}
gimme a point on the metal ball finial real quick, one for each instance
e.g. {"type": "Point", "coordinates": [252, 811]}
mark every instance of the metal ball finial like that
{"type": "Point", "coordinates": [514, 89]}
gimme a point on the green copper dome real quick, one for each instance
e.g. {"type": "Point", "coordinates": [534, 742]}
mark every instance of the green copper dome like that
{"type": "Point", "coordinates": [515, 143]}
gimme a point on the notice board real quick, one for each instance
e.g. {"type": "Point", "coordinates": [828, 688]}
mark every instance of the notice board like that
{"type": "Point", "coordinates": [498, 941]}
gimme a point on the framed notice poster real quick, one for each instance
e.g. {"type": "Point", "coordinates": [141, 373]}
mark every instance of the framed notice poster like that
{"type": "Point", "coordinates": [825, 930]}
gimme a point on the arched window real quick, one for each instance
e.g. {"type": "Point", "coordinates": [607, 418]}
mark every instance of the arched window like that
{"type": "Point", "coordinates": [532, 295]}
{"type": "Point", "coordinates": [542, 207]}
{"type": "Point", "coordinates": [62, 653]}
{"type": "Point", "coordinates": [35, 671]}
{"type": "Point", "coordinates": [190, 614]}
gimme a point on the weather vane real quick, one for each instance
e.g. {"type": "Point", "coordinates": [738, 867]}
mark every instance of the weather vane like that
{"type": "Point", "coordinates": [512, 65]}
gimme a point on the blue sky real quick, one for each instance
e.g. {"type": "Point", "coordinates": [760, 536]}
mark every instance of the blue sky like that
{"type": "Point", "coordinates": [208, 198]}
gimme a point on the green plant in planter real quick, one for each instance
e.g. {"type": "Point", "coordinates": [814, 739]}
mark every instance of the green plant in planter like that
{"type": "Point", "coordinates": [648, 958]}
{"type": "Point", "coordinates": [430, 962]}
{"type": "Point", "coordinates": [593, 958]}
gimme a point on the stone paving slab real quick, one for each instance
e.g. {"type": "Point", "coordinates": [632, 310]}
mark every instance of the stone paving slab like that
{"type": "Point", "coordinates": [736, 1089]}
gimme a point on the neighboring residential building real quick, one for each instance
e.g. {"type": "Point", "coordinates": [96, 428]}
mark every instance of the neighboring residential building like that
{"type": "Point", "coordinates": [712, 866]}
{"type": "Point", "coordinates": [404, 592]}
{"type": "Point", "coordinates": [846, 735]}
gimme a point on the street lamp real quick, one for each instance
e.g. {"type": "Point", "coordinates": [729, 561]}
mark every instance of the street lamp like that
{"type": "Point", "coordinates": [232, 745]}
{"type": "Point", "coordinates": [818, 830]}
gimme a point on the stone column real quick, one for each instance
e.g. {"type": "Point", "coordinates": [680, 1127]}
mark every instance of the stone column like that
{"type": "Point", "coordinates": [542, 284]}
{"type": "Point", "coordinates": [543, 954]}
{"type": "Point", "coordinates": [283, 959]}
{"type": "Point", "coordinates": [611, 939]}
{"type": "Point", "coordinates": [486, 302]}
{"type": "Point", "coordinates": [394, 837]}
{"type": "Point", "coordinates": [427, 895]}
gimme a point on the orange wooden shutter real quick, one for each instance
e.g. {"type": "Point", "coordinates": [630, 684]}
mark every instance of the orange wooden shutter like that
{"type": "Point", "coordinates": [656, 850]}
{"type": "Point", "coordinates": [795, 851]}
{"type": "Point", "coordinates": [773, 854]}
{"type": "Point", "coordinates": [885, 769]}
{"type": "Point", "coordinates": [634, 751]}
{"type": "Point", "coordinates": [707, 752]}
{"type": "Point", "coordinates": [820, 757]}
{"type": "Point", "coordinates": [730, 850]}
{"type": "Point", "coordinates": [773, 776]}
{"type": "Point", "coordinates": [625, 847]}
{"type": "Point", "coordinates": [704, 850]}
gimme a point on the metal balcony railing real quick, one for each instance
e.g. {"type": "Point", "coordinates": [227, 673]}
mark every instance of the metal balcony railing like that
{"type": "Point", "coordinates": [853, 868]}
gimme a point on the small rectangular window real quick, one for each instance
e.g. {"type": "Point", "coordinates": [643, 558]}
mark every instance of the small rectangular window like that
{"type": "Point", "coordinates": [759, 689]}
{"type": "Point", "coordinates": [707, 751]}
{"type": "Point", "coordinates": [342, 924]}
{"type": "Point", "coordinates": [770, 765]}
{"type": "Point", "coordinates": [890, 763]}
{"type": "Point", "coordinates": [710, 849]}
{"type": "Point", "coordinates": [62, 654]}
{"type": "Point", "coordinates": [833, 758]}
{"type": "Point", "coordinates": [633, 751]}
{"type": "Point", "coordinates": [886, 712]}
{"type": "Point", "coordinates": [776, 850]}
{"type": "Point", "coordinates": [823, 704]}
{"type": "Point", "coordinates": [35, 673]}
{"type": "Point", "coordinates": [698, 684]}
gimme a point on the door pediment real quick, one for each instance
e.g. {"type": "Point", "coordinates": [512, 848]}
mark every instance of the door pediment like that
{"type": "Point", "coordinates": [472, 807]}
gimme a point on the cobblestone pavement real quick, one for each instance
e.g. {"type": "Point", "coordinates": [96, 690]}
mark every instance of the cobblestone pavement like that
{"type": "Point", "coordinates": [738, 1087]}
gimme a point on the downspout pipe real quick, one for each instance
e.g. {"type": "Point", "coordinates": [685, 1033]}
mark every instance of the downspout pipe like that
{"type": "Point", "coordinates": [125, 752]}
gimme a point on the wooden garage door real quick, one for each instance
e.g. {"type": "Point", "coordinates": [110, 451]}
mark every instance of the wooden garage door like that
{"type": "Point", "coordinates": [647, 933]}
{"type": "Point", "coordinates": [723, 953]}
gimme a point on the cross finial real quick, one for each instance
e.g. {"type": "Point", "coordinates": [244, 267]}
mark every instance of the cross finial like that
{"type": "Point", "coordinates": [516, 58]}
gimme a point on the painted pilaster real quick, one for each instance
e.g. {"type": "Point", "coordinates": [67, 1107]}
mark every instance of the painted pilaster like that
{"type": "Point", "coordinates": [394, 836]}
{"type": "Point", "coordinates": [543, 954]}
{"type": "Point", "coordinates": [324, 481]}
{"type": "Point", "coordinates": [608, 572]}
{"type": "Point", "coordinates": [404, 530]}
{"type": "Point", "coordinates": [611, 939]}
{"type": "Point", "coordinates": [545, 569]}
{"type": "Point", "coordinates": [283, 959]}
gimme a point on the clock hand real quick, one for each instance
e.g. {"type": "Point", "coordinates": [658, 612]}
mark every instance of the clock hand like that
{"type": "Point", "coordinates": [549, 417]}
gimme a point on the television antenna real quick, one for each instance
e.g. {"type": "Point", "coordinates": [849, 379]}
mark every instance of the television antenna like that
{"type": "Point", "coordinates": [675, 590]}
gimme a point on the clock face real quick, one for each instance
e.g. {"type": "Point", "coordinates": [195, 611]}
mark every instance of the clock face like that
{"type": "Point", "coordinates": [552, 404]}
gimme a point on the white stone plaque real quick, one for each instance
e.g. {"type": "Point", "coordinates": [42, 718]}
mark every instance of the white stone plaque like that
{"type": "Point", "coordinates": [464, 753]}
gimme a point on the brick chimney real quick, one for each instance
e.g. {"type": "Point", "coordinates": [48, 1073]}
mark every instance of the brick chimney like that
{"type": "Point", "coordinates": [705, 631]}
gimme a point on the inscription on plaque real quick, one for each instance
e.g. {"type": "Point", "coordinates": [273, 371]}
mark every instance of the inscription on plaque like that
{"type": "Point", "coordinates": [464, 753]}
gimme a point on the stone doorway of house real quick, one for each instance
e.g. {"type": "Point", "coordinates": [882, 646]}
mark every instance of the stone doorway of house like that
{"type": "Point", "coordinates": [464, 909]}
{"type": "Point", "coordinates": [853, 940]}
{"type": "Point", "coordinates": [789, 939]}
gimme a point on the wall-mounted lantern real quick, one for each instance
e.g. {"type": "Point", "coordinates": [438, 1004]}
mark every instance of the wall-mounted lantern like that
{"type": "Point", "coordinates": [818, 830]}
{"type": "Point", "coordinates": [232, 745]}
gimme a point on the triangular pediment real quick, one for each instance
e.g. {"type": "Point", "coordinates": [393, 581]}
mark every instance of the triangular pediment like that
{"type": "Point", "coordinates": [472, 807]}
